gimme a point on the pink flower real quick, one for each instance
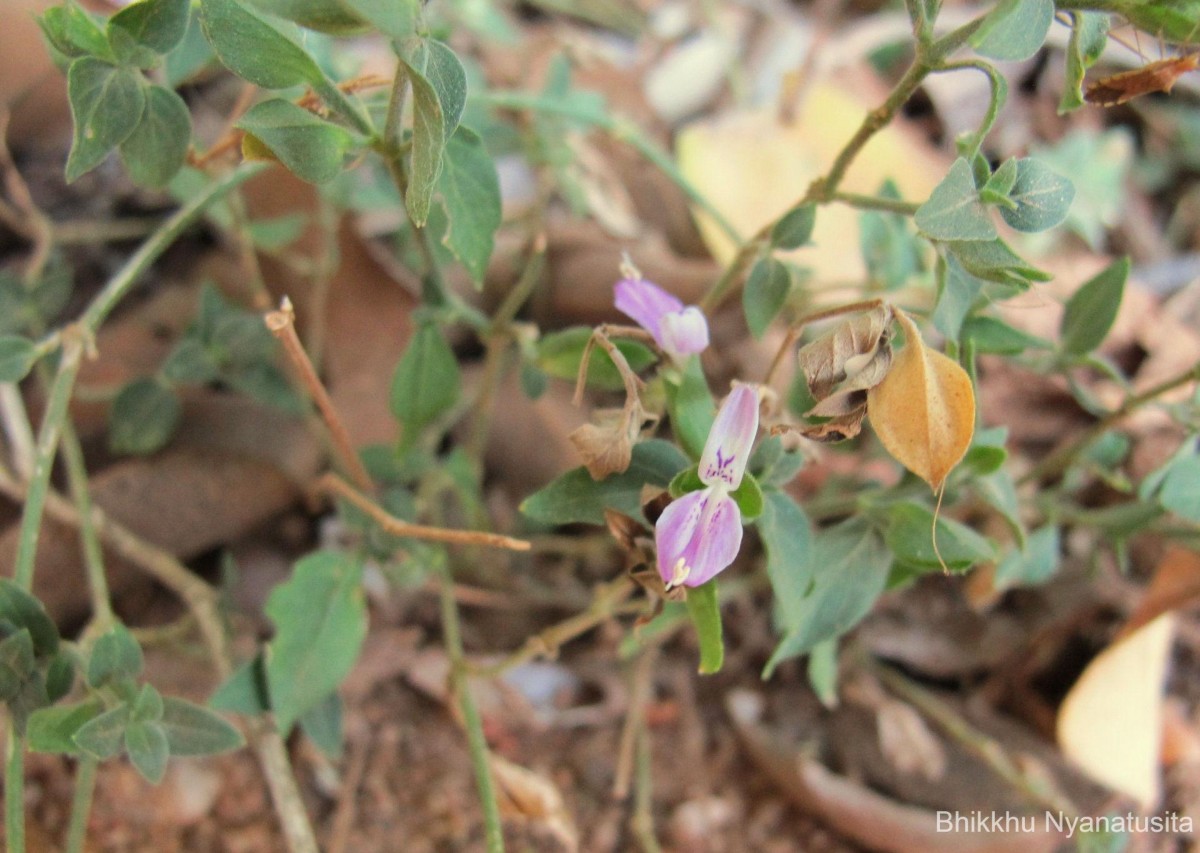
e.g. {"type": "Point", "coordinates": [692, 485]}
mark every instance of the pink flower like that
{"type": "Point", "coordinates": [679, 331]}
{"type": "Point", "coordinates": [699, 534]}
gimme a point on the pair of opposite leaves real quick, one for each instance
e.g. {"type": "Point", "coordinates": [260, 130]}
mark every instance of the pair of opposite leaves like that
{"type": "Point", "coordinates": [921, 403]}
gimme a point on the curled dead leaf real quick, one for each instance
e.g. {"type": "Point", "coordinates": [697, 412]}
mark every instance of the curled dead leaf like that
{"type": "Point", "coordinates": [529, 796]}
{"type": "Point", "coordinates": [607, 444]}
{"type": "Point", "coordinates": [924, 409]}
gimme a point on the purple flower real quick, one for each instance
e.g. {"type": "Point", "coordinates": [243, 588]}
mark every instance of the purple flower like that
{"type": "Point", "coordinates": [700, 533]}
{"type": "Point", "coordinates": [679, 331]}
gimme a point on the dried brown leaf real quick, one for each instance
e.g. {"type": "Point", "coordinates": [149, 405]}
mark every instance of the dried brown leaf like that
{"type": "Point", "coordinates": [530, 796]}
{"type": "Point", "coordinates": [852, 356]}
{"type": "Point", "coordinates": [606, 445]}
{"type": "Point", "coordinates": [907, 742]}
{"type": "Point", "coordinates": [924, 409]}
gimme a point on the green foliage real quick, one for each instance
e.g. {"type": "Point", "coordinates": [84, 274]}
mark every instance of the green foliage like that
{"type": "Point", "coordinates": [310, 147]}
{"type": "Point", "coordinates": [116, 656]}
{"type": "Point", "coordinates": [788, 540]}
{"type": "Point", "coordinates": [1098, 164]}
{"type": "Point", "coordinates": [1179, 493]}
{"type": "Point", "coordinates": [106, 105]}
{"type": "Point", "coordinates": [691, 408]}
{"type": "Point", "coordinates": [954, 210]}
{"type": "Point", "coordinates": [336, 17]}
{"type": "Point", "coordinates": [1041, 197]}
{"type": "Point", "coordinates": [559, 354]}
{"type": "Point", "coordinates": [20, 611]}
{"type": "Point", "coordinates": [320, 621]}
{"type": "Point", "coordinates": [1172, 20]}
{"type": "Point", "coordinates": [439, 94]}
{"type": "Point", "coordinates": [54, 729]}
{"type": "Point", "coordinates": [143, 417]}
{"type": "Point", "coordinates": [396, 19]}
{"type": "Point", "coordinates": [1089, 34]}
{"type": "Point", "coordinates": [193, 730]}
{"type": "Point", "coordinates": [705, 613]}
{"type": "Point", "coordinates": [427, 382]}
{"type": "Point", "coordinates": [470, 193]}
{"type": "Point", "coordinates": [245, 691]}
{"type": "Point", "coordinates": [1034, 564]}
{"type": "Point", "coordinates": [766, 291]}
{"type": "Point", "coordinates": [848, 566]}
{"type": "Point", "coordinates": [1091, 310]}
{"type": "Point", "coordinates": [73, 32]}
{"type": "Point", "coordinates": [157, 148]}
{"type": "Point", "coordinates": [794, 229]}
{"type": "Point", "coordinates": [889, 248]}
{"type": "Point", "coordinates": [322, 723]}
{"type": "Point", "coordinates": [1014, 29]}
{"type": "Point", "coordinates": [917, 543]}
{"type": "Point", "coordinates": [771, 465]}
{"type": "Point", "coordinates": [28, 307]}
{"type": "Point", "coordinates": [156, 24]}
{"type": "Point", "coordinates": [576, 497]}
{"type": "Point", "coordinates": [993, 260]}
{"type": "Point", "coordinates": [17, 357]}
{"type": "Point", "coordinates": [749, 497]}
{"type": "Point", "coordinates": [253, 49]}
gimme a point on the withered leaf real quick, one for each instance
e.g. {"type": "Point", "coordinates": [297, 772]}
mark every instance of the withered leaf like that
{"type": "Point", "coordinates": [607, 444]}
{"type": "Point", "coordinates": [1157, 76]}
{"type": "Point", "coordinates": [924, 409]}
{"type": "Point", "coordinates": [852, 356]}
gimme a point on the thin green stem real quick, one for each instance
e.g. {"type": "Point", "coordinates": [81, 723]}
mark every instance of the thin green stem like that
{"type": "Point", "coordinates": [81, 805]}
{"type": "Point", "coordinates": [476, 742]}
{"type": "Point", "coordinates": [14, 793]}
{"type": "Point", "coordinates": [870, 202]}
{"type": "Point", "coordinates": [47, 447]}
{"type": "Point", "coordinates": [170, 230]}
{"type": "Point", "coordinates": [998, 94]}
{"type": "Point", "coordinates": [1058, 462]}
{"type": "Point", "coordinates": [93, 554]}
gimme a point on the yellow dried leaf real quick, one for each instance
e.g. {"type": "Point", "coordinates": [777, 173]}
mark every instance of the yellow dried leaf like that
{"type": "Point", "coordinates": [924, 409]}
{"type": "Point", "coordinates": [1111, 722]}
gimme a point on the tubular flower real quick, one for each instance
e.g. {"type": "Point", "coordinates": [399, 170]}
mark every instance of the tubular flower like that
{"type": "Point", "coordinates": [699, 534]}
{"type": "Point", "coordinates": [678, 330]}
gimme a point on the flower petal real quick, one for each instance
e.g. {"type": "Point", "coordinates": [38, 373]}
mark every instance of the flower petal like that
{"type": "Point", "coordinates": [729, 441]}
{"type": "Point", "coordinates": [675, 535]}
{"type": "Point", "coordinates": [720, 537]}
{"type": "Point", "coordinates": [684, 332]}
{"type": "Point", "coordinates": [646, 303]}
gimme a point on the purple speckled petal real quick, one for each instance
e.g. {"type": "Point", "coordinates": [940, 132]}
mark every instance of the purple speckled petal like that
{"type": "Point", "coordinates": [720, 535]}
{"type": "Point", "coordinates": [676, 534]}
{"type": "Point", "coordinates": [697, 536]}
{"type": "Point", "coordinates": [683, 333]}
{"type": "Point", "coordinates": [729, 441]}
{"type": "Point", "coordinates": [646, 303]}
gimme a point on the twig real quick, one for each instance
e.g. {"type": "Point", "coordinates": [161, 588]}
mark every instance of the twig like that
{"type": "Point", "coordinates": [282, 324]}
{"type": "Point", "coordinates": [347, 805]}
{"type": "Point", "coordinates": [24, 216]}
{"type": "Point", "coordinates": [635, 721]}
{"type": "Point", "coordinates": [14, 792]}
{"type": "Point", "coordinates": [81, 804]}
{"type": "Point", "coordinates": [602, 335]}
{"type": "Point", "coordinates": [642, 821]}
{"type": "Point", "coordinates": [93, 556]}
{"type": "Point", "coordinates": [605, 603]}
{"type": "Point", "coordinates": [334, 484]}
{"type": "Point", "coordinates": [476, 742]}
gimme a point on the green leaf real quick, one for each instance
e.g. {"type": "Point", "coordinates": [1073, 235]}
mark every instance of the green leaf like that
{"type": "Point", "coordinates": [426, 383]}
{"type": "Point", "coordinates": [1034, 564]}
{"type": "Point", "coordinates": [823, 672]}
{"type": "Point", "coordinates": [470, 191]}
{"type": "Point", "coordinates": [147, 705]}
{"type": "Point", "coordinates": [16, 663]}
{"type": "Point", "coordinates": [146, 743]}
{"type": "Point", "coordinates": [190, 363]}
{"type": "Point", "coordinates": [253, 49]}
{"type": "Point", "coordinates": [766, 290]}
{"type": "Point", "coordinates": [106, 106]}
{"type": "Point", "coordinates": [21, 610]}
{"type": "Point", "coordinates": [396, 19]}
{"type": "Point", "coordinates": [60, 675]}
{"type": "Point", "coordinates": [143, 417]}
{"type": "Point", "coordinates": [954, 210]}
{"type": "Point", "coordinates": [788, 540]}
{"type": "Point", "coordinates": [559, 354]}
{"type": "Point", "coordinates": [849, 568]}
{"type": "Point", "coordinates": [1091, 310]}
{"type": "Point", "coordinates": [1000, 182]}
{"type": "Point", "coordinates": [1042, 196]}
{"type": "Point", "coordinates": [705, 612]}
{"type": "Point", "coordinates": [888, 246]}
{"type": "Point", "coordinates": [115, 656]}
{"type": "Point", "coordinates": [17, 357]}
{"type": "Point", "coordinates": [1014, 29]}
{"type": "Point", "coordinates": [320, 619]}
{"type": "Point", "coordinates": [1089, 34]}
{"type": "Point", "coordinates": [1171, 20]}
{"type": "Point", "coordinates": [576, 497]}
{"type": "Point", "coordinates": [749, 497]}
{"type": "Point", "coordinates": [322, 723]}
{"type": "Point", "coordinates": [193, 730]}
{"type": "Point", "coordinates": [433, 121]}
{"type": "Point", "coordinates": [158, 146]}
{"type": "Point", "coordinates": [957, 297]}
{"type": "Point", "coordinates": [910, 536]}
{"type": "Point", "coordinates": [691, 408]}
{"type": "Point", "coordinates": [157, 24]}
{"type": "Point", "coordinates": [794, 228]}
{"type": "Point", "coordinates": [102, 736]}
{"type": "Point", "coordinates": [687, 480]}
{"type": "Point", "coordinates": [327, 16]}
{"type": "Point", "coordinates": [74, 32]}
{"type": "Point", "coordinates": [53, 729]}
{"type": "Point", "coordinates": [310, 147]}
{"type": "Point", "coordinates": [993, 260]}
{"type": "Point", "coordinates": [245, 691]}
{"type": "Point", "coordinates": [193, 55]}
{"type": "Point", "coordinates": [1180, 491]}
{"type": "Point", "coordinates": [993, 335]}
